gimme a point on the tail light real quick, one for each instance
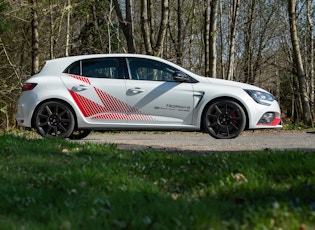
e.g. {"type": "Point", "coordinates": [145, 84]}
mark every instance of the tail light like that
{"type": "Point", "coordinates": [28, 86]}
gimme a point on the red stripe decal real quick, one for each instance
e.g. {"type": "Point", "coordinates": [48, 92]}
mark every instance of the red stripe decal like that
{"type": "Point", "coordinates": [113, 108]}
{"type": "Point", "coordinates": [80, 78]}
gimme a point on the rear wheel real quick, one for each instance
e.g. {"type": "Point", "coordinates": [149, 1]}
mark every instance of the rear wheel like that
{"type": "Point", "coordinates": [54, 119]}
{"type": "Point", "coordinates": [224, 119]}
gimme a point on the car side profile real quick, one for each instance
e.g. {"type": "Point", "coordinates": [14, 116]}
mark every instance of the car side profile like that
{"type": "Point", "coordinates": [71, 96]}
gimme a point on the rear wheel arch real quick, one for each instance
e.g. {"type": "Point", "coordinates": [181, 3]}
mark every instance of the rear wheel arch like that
{"type": "Point", "coordinates": [52, 100]}
{"type": "Point", "coordinates": [59, 100]}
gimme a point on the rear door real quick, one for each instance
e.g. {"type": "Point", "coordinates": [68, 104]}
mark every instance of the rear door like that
{"type": "Point", "coordinates": [98, 88]}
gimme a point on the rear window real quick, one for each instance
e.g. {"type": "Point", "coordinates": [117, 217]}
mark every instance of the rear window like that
{"type": "Point", "coordinates": [96, 68]}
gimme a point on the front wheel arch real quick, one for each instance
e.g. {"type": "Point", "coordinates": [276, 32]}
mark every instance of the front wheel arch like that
{"type": "Point", "coordinates": [206, 107]}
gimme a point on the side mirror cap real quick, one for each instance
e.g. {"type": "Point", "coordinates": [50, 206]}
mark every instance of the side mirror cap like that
{"type": "Point", "coordinates": [180, 77]}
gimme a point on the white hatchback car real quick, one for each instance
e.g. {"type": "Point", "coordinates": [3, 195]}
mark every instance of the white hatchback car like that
{"type": "Point", "coordinates": [73, 95]}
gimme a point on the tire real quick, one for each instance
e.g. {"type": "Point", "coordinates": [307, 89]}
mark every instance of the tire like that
{"type": "Point", "coordinates": [224, 119]}
{"type": "Point", "coordinates": [79, 134]}
{"type": "Point", "coordinates": [54, 119]}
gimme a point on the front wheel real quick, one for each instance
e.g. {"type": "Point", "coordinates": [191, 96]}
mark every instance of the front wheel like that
{"type": "Point", "coordinates": [224, 119]}
{"type": "Point", "coordinates": [54, 119]}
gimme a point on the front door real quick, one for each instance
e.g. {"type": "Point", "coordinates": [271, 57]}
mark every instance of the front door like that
{"type": "Point", "coordinates": [156, 98]}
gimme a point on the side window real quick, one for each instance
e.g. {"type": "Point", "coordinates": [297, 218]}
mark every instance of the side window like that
{"type": "Point", "coordinates": [100, 68]}
{"type": "Point", "coordinates": [143, 69]}
{"type": "Point", "coordinates": [96, 67]}
{"type": "Point", "coordinates": [74, 68]}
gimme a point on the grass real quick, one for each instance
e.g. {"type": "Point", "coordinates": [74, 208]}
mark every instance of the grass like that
{"type": "Point", "coordinates": [57, 184]}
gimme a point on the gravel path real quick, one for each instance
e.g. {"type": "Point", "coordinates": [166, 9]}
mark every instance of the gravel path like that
{"type": "Point", "coordinates": [194, 142]}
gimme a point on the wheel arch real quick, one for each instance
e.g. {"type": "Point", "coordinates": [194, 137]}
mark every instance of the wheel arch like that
{"type": "Point", "coordinates": [58, 100]}
{"type": "Point", "coordinates": [224, 98]}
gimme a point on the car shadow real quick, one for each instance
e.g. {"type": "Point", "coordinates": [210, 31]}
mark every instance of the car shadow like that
{"type": "Point", "coordinates": [178, 151]}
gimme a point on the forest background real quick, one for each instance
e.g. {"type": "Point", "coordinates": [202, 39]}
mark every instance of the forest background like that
{"type": "Point", "coordinates": [269, 43]}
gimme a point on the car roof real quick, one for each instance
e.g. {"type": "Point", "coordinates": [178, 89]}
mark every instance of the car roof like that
{"type": "Point", "coordinates": [58, 65]}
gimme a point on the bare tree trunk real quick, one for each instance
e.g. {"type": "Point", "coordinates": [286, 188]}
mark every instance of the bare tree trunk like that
{"type": "Point", "coordinates": [233, 23]}
{"type": "Point", "coordinates": [179, 44]}
{"type": "Point", "coordinates": [221, 43]}
{"type": "Point", "coordinates": [52, 37]}
{"type": "Point", "coordinates": [109, 24]}
{"type": "Point", "coordinates": [146, 32]}
{"type": "Point", "coordinates": [191, 37]}
{"type": "Point", "coordinates": [311, 53]}
{"type": "Point", "coordinates": [68, 28]}
{"type": "Point", "coordinates": [177, 41]}
{"type": "Point", "coordinates": [152, 47]}
{"type": "Point", "coordinates": [35, 38]}
{"type": "Point", "coordinates": [213, 39]}
{"type": "Point", "coordinates": [126, 24]}
{"type": "Point", "coordinates": [207, 36]}
{"type": "Point", "coordinates": [97, 28]}
{"type": "Point", "coordinates": [297, 59]}
{"type": "Point", "coordinates": [151, 20]}
{"type": "Point", "coordinates": [163, 26]}
{"type": "Point", "coordinates": [248, 68]}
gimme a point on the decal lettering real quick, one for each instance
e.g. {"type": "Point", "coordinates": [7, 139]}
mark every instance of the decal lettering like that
{"type": "Point", "coordinates": [180, 108]}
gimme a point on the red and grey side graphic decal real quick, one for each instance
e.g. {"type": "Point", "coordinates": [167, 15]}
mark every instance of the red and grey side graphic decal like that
{"type": "Point", "coordinates": [112, 108]}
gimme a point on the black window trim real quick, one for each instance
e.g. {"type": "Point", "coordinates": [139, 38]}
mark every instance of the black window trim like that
{"type": "Point", "coordinates": [121, 66]}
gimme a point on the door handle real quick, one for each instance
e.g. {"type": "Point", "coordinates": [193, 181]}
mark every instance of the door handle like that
{"type": "Point", "coordinates": [79, 88]}
{"type": "Point", "coordinates": [136, 90]}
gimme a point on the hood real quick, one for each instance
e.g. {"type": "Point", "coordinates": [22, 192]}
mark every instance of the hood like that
{"type": "Point", "coordinates": [233, 84]}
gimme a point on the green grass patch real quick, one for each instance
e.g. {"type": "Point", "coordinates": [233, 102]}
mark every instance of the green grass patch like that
{"type": "Point", "coordinates": [57, 184]}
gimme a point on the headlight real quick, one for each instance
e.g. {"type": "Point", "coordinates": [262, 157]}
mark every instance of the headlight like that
{"type": "Point", "coordinates": [260, 97]}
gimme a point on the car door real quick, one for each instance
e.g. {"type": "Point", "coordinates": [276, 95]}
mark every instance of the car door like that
{"type": "Point", "coordinates": [98, 88]}
{"type": "Point", "coordinates": [156, 98]}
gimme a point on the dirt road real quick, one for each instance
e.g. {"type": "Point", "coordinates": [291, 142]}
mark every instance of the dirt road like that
{"type": "Point", "coordinates": [203, 143]}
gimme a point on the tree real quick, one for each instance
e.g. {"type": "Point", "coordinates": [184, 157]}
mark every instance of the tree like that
{"type": "Point", "coordinates": [68, 28]}
{"type": "Point", "coordinates": [210, 37]}
{"type": "Point", "coordinates": [213, 39]}
{"type": "Point", "coordinates": [178, 38]}
{"type": "Point", "coordinates": [126, 24]}
{"type": "Point", "coordinates": [259, 30]}
{"type": "Point", "coordinates": [207, 36]}
{"type": "Point", "coordinates": [248, 40]}
{"type": "Point", "coordinates": [221, 44]}
{"type": "Point", "coordinates": [153, 42]}
{"type": "Point", "coordinates": [310, 55]}
{"type": "Point", "coordinates": [35, 37]}
{"type": "Point", "coordinates": [297, 60]}
{"type": "Point", "coordinates": [232, 27]}
{"type": "Point", "coordinates": [251, 44]}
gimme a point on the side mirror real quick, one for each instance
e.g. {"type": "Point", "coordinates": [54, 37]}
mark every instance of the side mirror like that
{"type": "Point", "coordinates": [180, 77]}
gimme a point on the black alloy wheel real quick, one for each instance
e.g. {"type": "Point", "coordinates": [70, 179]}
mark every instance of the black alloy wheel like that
{"type": "Point", "coordinates": [224, 119]}
{"type": "Point", "coordinates": [54, 119]}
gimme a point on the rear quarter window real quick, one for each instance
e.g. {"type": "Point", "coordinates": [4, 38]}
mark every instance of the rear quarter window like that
{"type": "Point", "coordinates": [96, 68]}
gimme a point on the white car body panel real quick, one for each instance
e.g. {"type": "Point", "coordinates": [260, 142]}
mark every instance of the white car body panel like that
{"type": "Point", "coordinates": [105, 103]}
{"type": "Point", "coordinates": [165, 102]}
